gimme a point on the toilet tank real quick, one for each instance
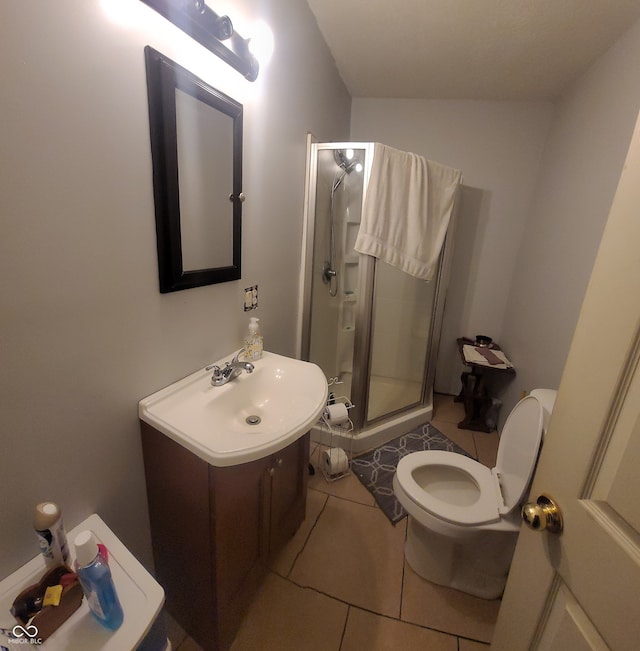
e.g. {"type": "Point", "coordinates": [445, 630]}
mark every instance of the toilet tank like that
{"type": "Point", "coordinates": [547, 398]}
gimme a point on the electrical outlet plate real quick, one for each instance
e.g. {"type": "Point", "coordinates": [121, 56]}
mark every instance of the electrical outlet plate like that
{"type": "Point", "coordinates": [251, 298]}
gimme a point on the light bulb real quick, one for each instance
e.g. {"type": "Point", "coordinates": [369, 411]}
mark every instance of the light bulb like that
{"type": "Point", "coordinates": [261, 42]}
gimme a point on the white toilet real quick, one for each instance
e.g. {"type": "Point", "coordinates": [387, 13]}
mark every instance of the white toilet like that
{"type": "Point", "coordinates": [464, 518]}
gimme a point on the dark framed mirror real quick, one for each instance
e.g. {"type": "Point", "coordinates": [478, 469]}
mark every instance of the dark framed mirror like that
{"type": "Point", "coordinates": [196, 147]}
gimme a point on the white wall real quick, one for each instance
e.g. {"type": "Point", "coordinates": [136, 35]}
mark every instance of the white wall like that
{"type": "Point", "coordinates": [84, 331]}
{"type": "Point", "coordinates": [583, 158]}
{"type": "Point", "coordinates": [498, 146]}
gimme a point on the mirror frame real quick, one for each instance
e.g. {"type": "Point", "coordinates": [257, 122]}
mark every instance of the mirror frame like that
{"type": "Point", "coordinates": [164, 76]}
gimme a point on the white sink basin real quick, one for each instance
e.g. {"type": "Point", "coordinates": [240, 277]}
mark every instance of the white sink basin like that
{"type": "Point", "coordinates": [287, 395]}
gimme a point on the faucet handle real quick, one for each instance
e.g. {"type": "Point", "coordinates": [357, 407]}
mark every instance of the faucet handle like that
{"type": "Point", "coordinates": [220, 375]}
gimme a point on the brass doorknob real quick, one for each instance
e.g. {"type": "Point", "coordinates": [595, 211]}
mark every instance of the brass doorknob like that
{"type": "Point", "coordinates": [544, 515]}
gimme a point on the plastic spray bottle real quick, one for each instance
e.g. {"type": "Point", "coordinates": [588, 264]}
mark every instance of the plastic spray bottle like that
{"type": "Point", "coordinates": [51, 536]}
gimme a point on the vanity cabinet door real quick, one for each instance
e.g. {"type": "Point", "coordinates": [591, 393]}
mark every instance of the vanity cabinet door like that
{"type": "Point", "coordinates": [239, 499]}
{"type": "Point", "coordinates": [178, 497]}
{"type": "Point", "coordinates": [289, 476]}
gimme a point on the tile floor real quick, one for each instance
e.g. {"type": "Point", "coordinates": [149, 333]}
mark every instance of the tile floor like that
{"type": "Point", "coordinates": [342, 584]}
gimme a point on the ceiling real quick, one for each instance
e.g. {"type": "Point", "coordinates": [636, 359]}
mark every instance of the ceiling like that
{"type": "Point", "coordinates": [468, 49]}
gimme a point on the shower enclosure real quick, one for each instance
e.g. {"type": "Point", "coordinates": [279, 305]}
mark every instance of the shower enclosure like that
{"type": "Point", "coordinates": [373, 329]}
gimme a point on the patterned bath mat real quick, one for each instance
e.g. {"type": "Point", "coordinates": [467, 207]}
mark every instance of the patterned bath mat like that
{"type": "Point", "coordinates": [376, 469]}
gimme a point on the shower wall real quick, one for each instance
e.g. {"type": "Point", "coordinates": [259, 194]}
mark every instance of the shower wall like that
{"type": "Point", "coordinates": [338, 205]}
{"type": "Point", "coordinates": [324, 311]}
{"type": "Point", "coordinates": [347, 211]}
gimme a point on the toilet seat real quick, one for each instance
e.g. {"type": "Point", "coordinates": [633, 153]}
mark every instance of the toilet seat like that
{"type": "Point", "coordinates": [451, 487]}
{"type": "Point", "coordinates": [461, 491]}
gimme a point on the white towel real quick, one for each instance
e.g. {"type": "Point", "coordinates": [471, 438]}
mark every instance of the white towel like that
{"type": "Point", "coordinates": [406, 211]}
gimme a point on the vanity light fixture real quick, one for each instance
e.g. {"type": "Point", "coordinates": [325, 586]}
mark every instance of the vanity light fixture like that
{"type": "Point", "coordinates": [215, 32]}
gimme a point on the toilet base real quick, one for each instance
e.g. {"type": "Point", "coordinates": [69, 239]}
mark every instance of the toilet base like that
{"type": "Point", "coordinates": [477, 565]}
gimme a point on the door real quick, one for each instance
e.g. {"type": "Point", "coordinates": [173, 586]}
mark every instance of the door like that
{"type": "Point", "coordinates": [580, 589]}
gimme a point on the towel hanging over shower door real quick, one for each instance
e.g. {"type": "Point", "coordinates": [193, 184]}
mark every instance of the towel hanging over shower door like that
{"type": "Point", "coordinates": [407, 210]}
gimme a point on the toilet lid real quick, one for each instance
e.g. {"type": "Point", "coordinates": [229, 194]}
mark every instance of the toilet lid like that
{"type": "Point", "coordinates": [450, 486]}
{"type": "Point", "coordinates": [518, 450]}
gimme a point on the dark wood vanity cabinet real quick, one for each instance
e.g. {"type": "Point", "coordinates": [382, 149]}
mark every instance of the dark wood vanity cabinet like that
{"type": "Point", "coordinates": [214, 529]}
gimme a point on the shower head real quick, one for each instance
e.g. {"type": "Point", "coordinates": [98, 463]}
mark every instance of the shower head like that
{"type": "Point", "coordinates": [347, 162]}
{"type": "Point", "coordinates": [343, 161]}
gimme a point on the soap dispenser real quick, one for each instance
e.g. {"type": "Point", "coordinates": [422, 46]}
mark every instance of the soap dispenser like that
{"type": "Point", "coordinates": [253, 341]}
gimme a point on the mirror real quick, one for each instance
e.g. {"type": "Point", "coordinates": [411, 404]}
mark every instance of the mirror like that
{"type": "Point", "coordinates": [196, 148]}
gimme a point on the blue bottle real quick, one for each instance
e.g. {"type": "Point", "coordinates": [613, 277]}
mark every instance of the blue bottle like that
{"type": "Point", "coordinates": [95, 577]}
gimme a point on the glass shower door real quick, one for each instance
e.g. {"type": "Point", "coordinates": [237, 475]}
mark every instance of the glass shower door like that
{"type": "Point", "coordinates": [400, 337]}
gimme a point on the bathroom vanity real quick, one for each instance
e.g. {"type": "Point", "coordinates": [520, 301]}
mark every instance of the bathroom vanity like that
{"type": "Point", "coordinates": [226, 469]}
{"type": "Point", "coordinates": [214, 529]}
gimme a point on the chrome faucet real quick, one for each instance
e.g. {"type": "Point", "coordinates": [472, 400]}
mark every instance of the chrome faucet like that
{"type": "Point", "coordinates": [230, 371]}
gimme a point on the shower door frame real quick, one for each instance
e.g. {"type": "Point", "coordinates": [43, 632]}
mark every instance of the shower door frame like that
{"type": "Point", "coordinates": [366, 284]}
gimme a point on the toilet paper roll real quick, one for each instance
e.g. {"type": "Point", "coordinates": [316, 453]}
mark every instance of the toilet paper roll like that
{"type": "Point", "coordinates": [335, 461]}
{"type": "Point", "coordinates": [336, 414]}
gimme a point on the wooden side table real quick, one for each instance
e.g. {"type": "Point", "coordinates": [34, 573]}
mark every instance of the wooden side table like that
{"type": "Point", "coordinates": [474, 393]}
